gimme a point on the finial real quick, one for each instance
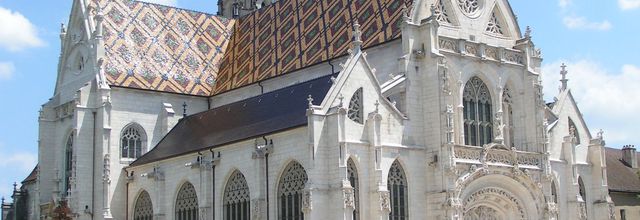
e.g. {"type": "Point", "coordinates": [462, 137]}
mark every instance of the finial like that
{"type": "Point", "coordinates": [341, 98]}
{"type": "Point", "coordinates": [600, 134]}
{"type": "Point", "coordinates": [434, 10]}
{"type": "Point", "coordinates": [405, 13]}
{"type": "Point", "coordinates": [377, 104]}
{"type": "Point", "coordinates": [15, 186]}
{"type": "Point", "coordinates": [357, 35]}
{"type": "Point", "coordinates": [3, 200]}
{"type": "Point", "coordinates": [310, 100]}
{"type": "Point", "coordinates": [564, 79]}
{"type": "Point", "coordinates": [184, 109]}
{"type": "Point", "coordinates": [527, 32]}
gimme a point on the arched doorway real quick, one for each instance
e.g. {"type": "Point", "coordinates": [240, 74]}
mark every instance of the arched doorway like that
{"type": "Point", "coordinates": [493, 203]}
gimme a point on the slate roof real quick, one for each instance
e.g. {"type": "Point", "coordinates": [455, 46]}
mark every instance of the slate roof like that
{"type": "Point", "coordinates": [155, 47]}
{"type": "Point", "coordinates": [271, 112]}
{"type": "Point", "coordinates": [32, 176]}
{"type": "Point", "coordinates": [621, 178]}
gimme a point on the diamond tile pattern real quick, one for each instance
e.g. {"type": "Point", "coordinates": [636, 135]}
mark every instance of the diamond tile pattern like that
{"type": "Point", "coordinates": [294, 34]}
{"type": "Point", "coordinates": [162, 48]}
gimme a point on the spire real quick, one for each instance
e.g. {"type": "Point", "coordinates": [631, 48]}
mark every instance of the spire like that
{"type": "Point", "coordinates": [357, 34]}
{"type": "Point", "coordinates": [564, 79]}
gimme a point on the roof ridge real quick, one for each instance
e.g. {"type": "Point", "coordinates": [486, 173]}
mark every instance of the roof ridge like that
{"type": "Point", "coordinates": [178, 8]}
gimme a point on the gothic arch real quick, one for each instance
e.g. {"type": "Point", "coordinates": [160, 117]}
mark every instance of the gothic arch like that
{"type": "Point", "coordinates": [398, 187]}
{"type": "Point", "coordinates": [354, 180]}
{"type": "Point", "coordinates": [291, 186]}
{"type": "Point", "coordinates": [143, 206]}
{"type": "Point", "coordinates": [133, 141]}
{"type": "Point", "coordinates": [186, 202]}
{"type": "Point", "coordinates": [515, 190]}
{"type": "Point", "coordinates": [478, 112]}
{"type": "Point", "coordinates": [68, 166]}
{"type": "Point", "coordinates": [236, 202]}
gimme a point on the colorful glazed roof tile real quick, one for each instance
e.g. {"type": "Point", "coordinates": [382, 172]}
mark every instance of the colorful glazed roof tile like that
{"type": "Point", "coordinates": [162, 48]}
{"type": "Point", "coordinates": [294, 34]}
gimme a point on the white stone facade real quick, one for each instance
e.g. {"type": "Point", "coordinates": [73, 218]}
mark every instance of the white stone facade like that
{"type": "Point", "coordinates": [413, 113]}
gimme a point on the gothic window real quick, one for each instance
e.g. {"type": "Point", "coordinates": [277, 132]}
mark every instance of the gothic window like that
{"type": "Point", "coordinates": [507, 107]}
{"type": "Point", "coordinates": [469, 7]}
{"type": "Point", "coordinates": [352, 174]}
{"type": "Point", "coordinates": [554, 192]}
{"type": "Point", "coordinates": [582, 189]}
{"type": "Point", "coordinates": [68, 163]}
{"type": "Point", "coordinates": [355, 107]}
{"type": "Point", "coordinates": [478, 125]}
{"type": "Point", "coordinates": [290, 192]}
{"type": "Point", "coordinates": [573, 131]}
{"type": "Point", "coordinates": [397, 186]}
{"type": "Point", "coordinates": [132, 142]}
{"type": "Point", "coordinates": [441, 12]}
{"type": "Point", "coordinates": [143, 210]}
{"type": "Point", "coordinates": [236, 198]}
{"type": "Point", "coordinates": [186, 203]}
{"type": "Point", "coordinates": [494, 25]}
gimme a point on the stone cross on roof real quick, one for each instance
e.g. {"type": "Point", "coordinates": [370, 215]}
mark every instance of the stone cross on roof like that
{"type": "Point", "coordinates": [564, 79]}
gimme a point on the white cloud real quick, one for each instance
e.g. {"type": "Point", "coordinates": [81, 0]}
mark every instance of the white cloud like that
{"type": "Point", "coordinates": [608, 100]}
{"type": "Point", "coordinates": [564, 3]}
{"type": "Point", "coordinates": [17, 32]}
{"type": "Point", "coordinates": [6, 70]}
{"type": "Point", "coordinates": [581, 23]}
{"type": "Point", "coordinates": [163, 2]}
{"type": "Point", "coordinates": [629, 4]}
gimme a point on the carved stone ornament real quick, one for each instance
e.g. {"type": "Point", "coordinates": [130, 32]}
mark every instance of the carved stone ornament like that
{"type": "Point", "coordinates": [349, 199]}
{"type": "Point", "coordinates": [582, 211]}
{"type": "Point", "coordinates": [496, 196]}
{"type": "Point", "coordinates": [612, 211]}
{"type": "Point", "coordinates": [307, 200]}
{"type": "Point", "coordinates": [256, 210]}
{"type": "Point", "coordinates": [385, 203]}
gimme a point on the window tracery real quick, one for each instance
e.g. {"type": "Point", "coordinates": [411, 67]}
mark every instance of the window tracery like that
{"type": "Point", "coordinates": [143, 210]}
{"type": "Point", "coordinates": [290, 191]}
{"type": "Point", "coordinates": [352, 174]}
{"type": "Point", "coordinates": [68, 165]}
{"type": "Point", "coordinates": [469, 7]}
{"type": "Point", "coordinates": [441, 12]}
{"type": "Point", "coordinates": [478, 125]}
{"type": "Point", "coordinates": [236, 198]}
{"type": "Point", "coordinates": [355, 112]}
{"type": "Point", "coordinates": [397, 186]}
{"type": "Point", "coordinates": [494, 25]}
{"type": "Point", "coordinates": [132, 142]}
{"type": "Point", "coordinates": [186, 207]}
{"type": "Point", "coordinates": [482, 213]}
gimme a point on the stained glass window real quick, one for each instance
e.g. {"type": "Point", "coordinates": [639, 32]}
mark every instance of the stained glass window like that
{"type": "Point", "coordinates": [355, 107]}
{"type": "Point", "coordinates": [132, 142]}
{"type": "Point", "coordinates": [397, 186]}
{"type": "Point", "coordinates": [236, 198]}
{"type": "Point", "coordinates": [186, 203]}
{"type": "Point", "coordinates": [143, 210]}
{"type": "Point", "coordinates": [290, 192]}
{"type": "Point", "coordinates": [478, 125]}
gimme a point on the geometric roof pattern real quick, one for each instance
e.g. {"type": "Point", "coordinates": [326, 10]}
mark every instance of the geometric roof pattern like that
{"type": "Point", "coordinates": [156, 47]}
{"type": "Point", "coordinates": [294, 34]}
{"type": "Point", "coordinates": [161, 48]}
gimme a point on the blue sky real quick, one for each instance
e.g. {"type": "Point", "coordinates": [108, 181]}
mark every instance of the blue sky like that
{"type": "Point", "coordinates": [594, 38]}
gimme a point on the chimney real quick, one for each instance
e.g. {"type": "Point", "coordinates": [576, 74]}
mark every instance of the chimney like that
{"type": "Point", "coordinates": [629, 156]}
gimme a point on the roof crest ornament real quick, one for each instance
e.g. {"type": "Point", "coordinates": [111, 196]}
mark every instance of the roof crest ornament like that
{"type": "Point", "coordinates": [527, 33]}
{"type": "Point", "coordinates": [564, 79]}
{"type": "Point", "coordinates": [357, 36]}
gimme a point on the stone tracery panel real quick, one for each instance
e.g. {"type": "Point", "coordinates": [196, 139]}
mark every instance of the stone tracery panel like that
{"type": "Point", "coordinates": [478, 205]}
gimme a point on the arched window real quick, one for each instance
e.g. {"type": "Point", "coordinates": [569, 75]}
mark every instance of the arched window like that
{"type": "Point", "coordinates": [573, 131]}
{"type": "Point", "coordinates": [554, 192]}
{"type": "Point", "coordinates": [581, 189]}
{"type": "Point", "coordinates": [236, 198]}
{"type": "Point", "coordinates": [68, 163]}
{"type": "Point", "coordinates": [478, 125]}
{"type": "Point", "coordinates": [507, 107]}
{"type": "Point", "coordinates": [133, 141]}
{"type": "Point", "coordinates": [355, 107]}
{"type": "Point", "coordinates": [397, 186]}
{"type": "Point", "coordinates": [187, 203]}
{"type": "Point", "coordinates": [143, 210]}
{"type": "Point", "coordinates": [290, 192]}
{"type": "Point", "coordinates": [352, 174]}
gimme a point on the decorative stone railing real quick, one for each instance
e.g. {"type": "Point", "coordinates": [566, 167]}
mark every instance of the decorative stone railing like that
{"type": "Point", "coordinates": [482, 51]}
{"type": "Point", "coordinates": [497, 157]}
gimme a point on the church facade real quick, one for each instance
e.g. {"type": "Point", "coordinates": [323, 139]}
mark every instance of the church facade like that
{"type": "Point", "coordinates": [325, 109]}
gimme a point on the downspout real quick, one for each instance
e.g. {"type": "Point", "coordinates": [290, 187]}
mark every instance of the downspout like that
{"type": "Point", "coordinates": [93, 167]}
{"type": "Point", "coordinates": [213, 185]}
{"type": "Point", "coordinates": [266, 162]}
{"type": "Point", "coordinates": [332, 67]}
{"type": "Point", "coordinates": [261, 89]}
{"type": "Point", "coordinates": [126, 198]}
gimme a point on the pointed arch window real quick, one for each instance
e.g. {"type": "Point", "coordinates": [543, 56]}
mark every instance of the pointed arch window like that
{"type": "Point", "coordinates": [573, 131]}
{"type": "Point", "coordinates": [236, 198]}
{"type": "Point", "coordinates": [478, 125]}
{"type": "Point", "coordinates": [290, 190]}
{"type": "Point", "coordinates": [133, 141]}
{"type": "Point", "coordinates": [397, 186]}
{"type": "Point", "coordinates": [582, 191]}
{"type": "Point", "coordinates": [494, 25]}
{"type": "Point", "coordinates": [507, 107]}
{"type": "Point", "coordinates": [554, 192]}
{"type": "Point", "coordinates": [68, 163]}
{"type": "Point", "coordinates": [352, 174]}
{"type": "Point", "coordinates": [441, 12]}
{"type": "Point", "coordinates": [186, 207]}
{"type": "Point", "coordinates": [355, 112]}
{"type": "Point", "coordinates": [143, 210]}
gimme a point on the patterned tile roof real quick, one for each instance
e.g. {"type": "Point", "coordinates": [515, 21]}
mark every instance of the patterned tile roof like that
{"type": "Point", "coordinates": [162, 48]}
{"type": "Point", "coordinates": [294, 34]}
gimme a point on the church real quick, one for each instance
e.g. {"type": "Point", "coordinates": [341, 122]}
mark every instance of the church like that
{"type": "Point", "coordinates": [310, 109]}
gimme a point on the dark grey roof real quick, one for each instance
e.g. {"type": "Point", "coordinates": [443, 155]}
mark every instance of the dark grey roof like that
{"type": "Point", "coordinates": [32, 176]}
{"type": "Point", "coordinates": [620, 177]}
{"type": "Point", "coordinates": [254, 117]}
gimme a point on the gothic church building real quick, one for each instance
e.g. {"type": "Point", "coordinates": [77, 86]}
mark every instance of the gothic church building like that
{"type": "Point", "coordinates": [310, 109]}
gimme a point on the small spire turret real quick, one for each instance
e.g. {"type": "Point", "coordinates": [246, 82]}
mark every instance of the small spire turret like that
{"type": "Point", "coordinates": [564, 79]}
